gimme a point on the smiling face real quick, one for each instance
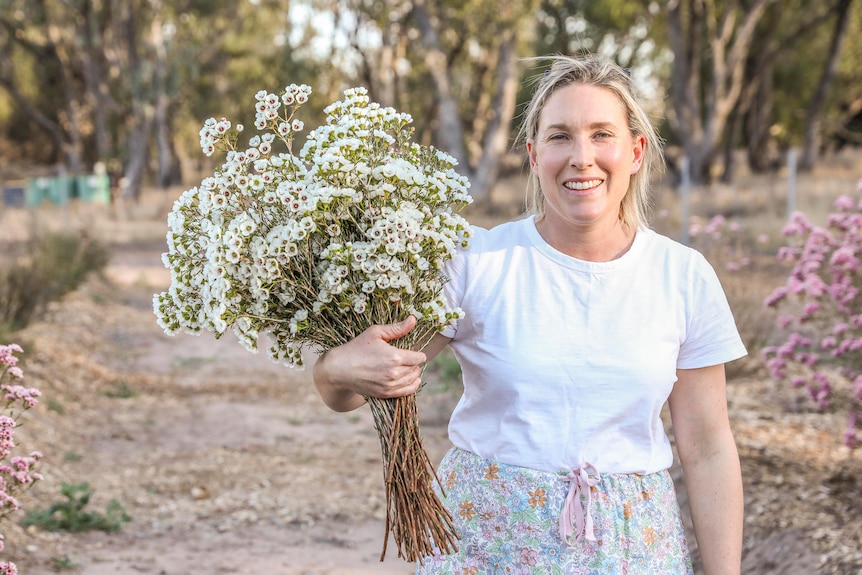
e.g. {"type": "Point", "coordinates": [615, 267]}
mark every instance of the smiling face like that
{"type": "Point", "coordinates": [584, 155]}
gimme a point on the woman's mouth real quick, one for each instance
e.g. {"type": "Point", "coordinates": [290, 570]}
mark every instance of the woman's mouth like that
{"type": "Point", "coordinates": [582, 185]}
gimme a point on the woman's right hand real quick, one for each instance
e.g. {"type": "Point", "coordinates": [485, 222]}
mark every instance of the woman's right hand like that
{"type": "Point", "coordinates": [368, 366]}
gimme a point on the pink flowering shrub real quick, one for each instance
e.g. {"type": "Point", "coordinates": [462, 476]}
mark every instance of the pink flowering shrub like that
{"type": "Point", "coordinates": [723, 242]}
{"type": "Point", "coordinates": [17, 475]}
{"type": "Point", "coordinates": [821, 307]}
{"type": "Point", "coordinates": [741, 258]}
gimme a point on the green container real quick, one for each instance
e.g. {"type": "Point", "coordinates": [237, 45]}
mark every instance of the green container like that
{"type": "Point", "coordinates": [94, 188]}
{"type": "Point", "coordinates": [60, 190]}
{"type": "Point", "coordinates": [37, 191]}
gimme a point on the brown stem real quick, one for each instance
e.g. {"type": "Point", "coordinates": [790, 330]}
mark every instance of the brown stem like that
{"type": "Point", "coordinates": [414, 514]}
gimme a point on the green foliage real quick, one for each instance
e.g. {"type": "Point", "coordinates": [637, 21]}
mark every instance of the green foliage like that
{"type": "Point", "coordinates": [207, 58]}
{"type": "Point", "coordinates": [53, 265]}
{"type": "Point", "coordinates": [120, 390]}
{"type": "Point", "coordinates": [53, 405]}
{"type": "Point", "coordinates": [445, 372]}
{"type": "Point", "coordinates": [574, 26]}
{"type": "Point", "coordinates": [70, 515]}
{"type": "Point", "coordinates": [59, 564]}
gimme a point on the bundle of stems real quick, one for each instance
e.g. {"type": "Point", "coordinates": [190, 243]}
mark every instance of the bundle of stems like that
{"type": "Point", "coordinates": [416, 517]}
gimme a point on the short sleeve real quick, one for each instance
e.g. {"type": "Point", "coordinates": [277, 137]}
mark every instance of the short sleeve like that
{"type": "Point", "coordinates": [711, 335]}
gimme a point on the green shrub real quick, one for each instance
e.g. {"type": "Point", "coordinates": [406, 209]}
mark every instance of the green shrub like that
{"type": "Point", "coordinates": [69, 515]}
{"type": "Point", "coordinates": [63, 563]}
{"type": "Point", "coordinates": [120, 390]}
{"type": "Point", "coordinates": [51, 266]}
{"type": "Point", "coordinates": [445, 373]}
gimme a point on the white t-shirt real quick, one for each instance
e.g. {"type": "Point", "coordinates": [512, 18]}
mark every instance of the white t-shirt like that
{"type": "Point", "coordinates": [567, 362]}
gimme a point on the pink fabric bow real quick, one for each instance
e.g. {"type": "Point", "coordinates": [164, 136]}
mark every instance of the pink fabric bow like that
{"type": "Point", "coordinates": [576, 518]}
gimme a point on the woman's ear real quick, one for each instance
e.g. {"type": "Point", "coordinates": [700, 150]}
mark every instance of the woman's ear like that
{"type": "Point", "coordinates": [531, 154]}
{"type": "Point", "coordinates": [638, 153]}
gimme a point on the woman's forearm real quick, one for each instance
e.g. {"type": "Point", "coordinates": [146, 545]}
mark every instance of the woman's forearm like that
{"type": "Point", "coordinates": [714, 486]}
{"type": "Point", "coordinates": [710, 464]}
{"type": "Point", "coordinates": [335, 397]}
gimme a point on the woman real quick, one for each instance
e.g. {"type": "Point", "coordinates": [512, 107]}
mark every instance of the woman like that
{"type": "Point", "coordinates": [580, 323]}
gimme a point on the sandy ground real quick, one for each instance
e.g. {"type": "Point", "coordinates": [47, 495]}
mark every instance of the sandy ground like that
{"type": "Point", "coordinates": [228, 463]}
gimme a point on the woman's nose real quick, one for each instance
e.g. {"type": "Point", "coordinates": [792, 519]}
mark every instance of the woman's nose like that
{"type": "Point", "coordinates": [581, 155]}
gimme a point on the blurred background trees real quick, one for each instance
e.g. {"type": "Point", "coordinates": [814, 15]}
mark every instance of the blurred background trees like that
{"type": "Point", "coordinates": [126, 84]}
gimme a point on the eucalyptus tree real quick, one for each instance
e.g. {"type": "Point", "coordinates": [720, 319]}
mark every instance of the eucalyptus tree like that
{"type": "Point", "coordinates": [780, 74]}
{"type": "Point", "coordinates": [113, 81]}
{"type": "Point", "coordinates": [817, 103]}
{"type": "Point", "coordinates": [452, 64]}
{"type": "Point", "coordinates": [711, 42]}
{"type": "Point", "coordinates": [41, 75]}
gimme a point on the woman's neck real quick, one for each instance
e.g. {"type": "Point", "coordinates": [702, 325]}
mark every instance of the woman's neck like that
{"type": "Point", "coordinates": [592, 245]}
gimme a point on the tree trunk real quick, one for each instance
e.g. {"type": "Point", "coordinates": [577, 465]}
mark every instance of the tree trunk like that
{"type": "Point", "coordinates": [139, 126]}
{"type": "Point", "coordinates": [72, 143]}
{"type": "Point", "coordinates": [138, 146]}
{"type": "Point", "coordinates": [811, 147]}
{"type": "Point", "coordinates": [702, 103]}
{"type": "Point", "coordinates": [450, 133]}
{"type": "Point", "coordinates": [94, 80]}
{"type": "Point", "coordinates": [734, 130]}
{"type": "Point", "coordinates": [168, 171]}
{"type": "Point", "coordinates": [490, 134]}
{"type": "Point", "coordinates": [757, 123]}
{"type": "Point", "coordinates": [497, 131]}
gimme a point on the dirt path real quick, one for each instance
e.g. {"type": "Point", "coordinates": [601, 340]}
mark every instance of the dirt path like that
{"type": "Point", "coordinates": [228, 463]}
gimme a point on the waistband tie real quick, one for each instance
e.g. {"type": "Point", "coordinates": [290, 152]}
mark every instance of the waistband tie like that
{"type": "Point", "coordinates": [576, 518]}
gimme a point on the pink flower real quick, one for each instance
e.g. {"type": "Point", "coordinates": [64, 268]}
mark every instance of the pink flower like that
{"type": "Point", "coordinates": [844, 256]}
{"type": "Point", "coordinates": [797, 225]}
{"type": "Point", "coordinates": [811, 308]}
{"type": "Point", "coordinates": [776, 296]}
{"type": "Point", "coordinates": [7, 503]}
{"type": "Point", "coordinates": [844, 203]}
{"type": "Point", "coordinates": [787, 254]}
{"type": "Point", "coordinates": [794, 285]}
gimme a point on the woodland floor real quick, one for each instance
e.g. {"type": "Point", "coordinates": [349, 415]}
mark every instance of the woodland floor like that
{"type": "Point", "coordinates": [229, 463]}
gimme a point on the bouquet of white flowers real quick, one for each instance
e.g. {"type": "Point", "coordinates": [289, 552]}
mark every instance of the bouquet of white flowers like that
{"type": "Point", "coordinates": [310, 249]}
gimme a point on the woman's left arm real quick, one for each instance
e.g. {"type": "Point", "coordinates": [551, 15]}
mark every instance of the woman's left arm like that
{"type": "Point", "coordinates": [710, 464]}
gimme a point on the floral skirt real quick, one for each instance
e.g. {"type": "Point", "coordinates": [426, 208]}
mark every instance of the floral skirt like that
{"type": "Point", "coordinates": [508, 520]}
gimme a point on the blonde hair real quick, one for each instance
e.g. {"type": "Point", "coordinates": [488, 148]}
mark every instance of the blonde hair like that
{"type": "Point", "coordinates": [566, 70]}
